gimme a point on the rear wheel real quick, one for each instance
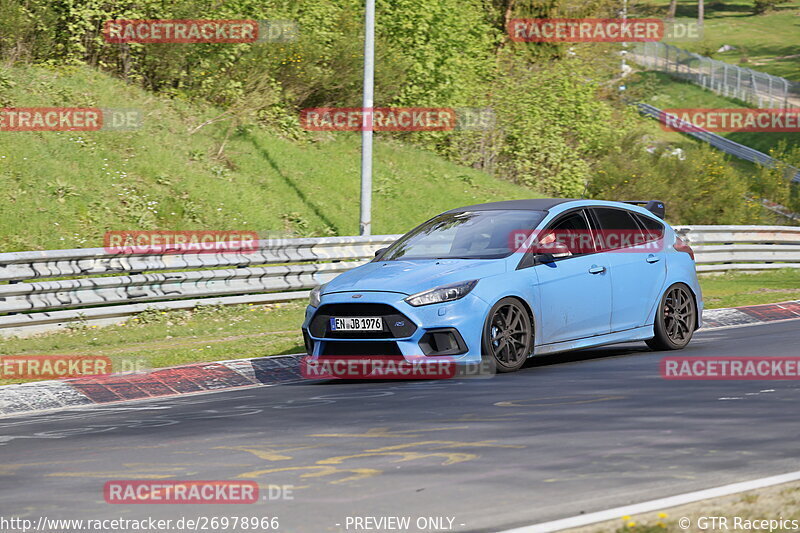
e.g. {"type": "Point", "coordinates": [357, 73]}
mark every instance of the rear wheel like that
{"type": "Point", "coordinates": [507, 335]}
{"type": "Point", "coordinates": [675, 320]}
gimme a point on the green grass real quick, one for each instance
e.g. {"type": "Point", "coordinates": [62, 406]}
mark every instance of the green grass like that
{"type": "Point", "coordinates": [732, 290]}
{"type": "Point", "coordinates": [158, 339]}
{"type": "Point", "coordinates": [767, 42]}
{"type": "Point", "coordinates": [70, 188]}
{"type": "Point", "coordinates": [664, 92]}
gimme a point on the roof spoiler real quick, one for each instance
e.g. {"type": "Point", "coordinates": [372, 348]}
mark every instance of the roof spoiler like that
{"type": "Point", "coordinates": [654, 206]}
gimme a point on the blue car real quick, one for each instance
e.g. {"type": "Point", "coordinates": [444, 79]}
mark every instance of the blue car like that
{"type": "Point", "coordinates": [505, 281]}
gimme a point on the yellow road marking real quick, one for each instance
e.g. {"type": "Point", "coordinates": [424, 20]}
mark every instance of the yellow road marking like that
{"type": "Point", "coordinates": [384, 432]}
{"type": "Point", "coordinates": [440, 444]}
{"type": "Point", "coordinates": [522, 403]}
{"type": "Point", "coordinates": [268, 453]}
{"type": "Point", "coordinates": [450, 458]}
{"type": "Point", "coordinates": [108, 475]}
{"type": "Point", "coordinates": [139, 470]}
{"type": "Point", "coordinates": [358, 473]}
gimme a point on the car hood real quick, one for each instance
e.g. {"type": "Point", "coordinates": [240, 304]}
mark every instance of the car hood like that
{"type": "Point", "coordinates": [413, 276]}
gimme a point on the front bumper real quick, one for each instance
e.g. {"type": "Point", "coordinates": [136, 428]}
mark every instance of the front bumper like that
{"type": "Point", "coordinates": [412, 332]}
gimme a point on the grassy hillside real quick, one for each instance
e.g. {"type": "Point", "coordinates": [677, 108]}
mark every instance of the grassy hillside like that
{"type": "Point", "coordinates": [65, 189]}
{"type": "Point", "coordinates": [663, 91]}
{"type": "Point", "coordinates": [766, 42]}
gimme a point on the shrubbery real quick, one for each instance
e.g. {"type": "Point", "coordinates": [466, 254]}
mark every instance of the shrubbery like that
{"type": "Point", "coordinates": [775, 183]}
{"type": "Point", "coordinates": [559, 130]}
{"type": "Point", "coordinates": [698, 185]}
{"type": "Point", "coordinates": [763, 6]}
{"type": "Point", "coordinates": [550, 127]}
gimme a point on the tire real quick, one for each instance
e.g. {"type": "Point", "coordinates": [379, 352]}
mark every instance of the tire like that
{"type": "Point", "coordinates": [676, 319]}
{"type": "Point", "coordinates": [507, 335]}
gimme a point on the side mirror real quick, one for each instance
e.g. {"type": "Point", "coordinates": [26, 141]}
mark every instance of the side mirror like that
{"type": "Point", "coordinates": [380, 251]}
{"type": "Point", "coordinates": [547, 253]}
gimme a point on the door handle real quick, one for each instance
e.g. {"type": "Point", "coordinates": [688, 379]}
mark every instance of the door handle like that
{"type": "Point", "coordinates": [653, 259]}
{"type": "Point", "coordinates": [597, 269]}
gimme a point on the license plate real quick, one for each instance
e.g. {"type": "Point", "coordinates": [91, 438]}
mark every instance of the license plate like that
{"type": "Point", "coordinates": [357, 323]}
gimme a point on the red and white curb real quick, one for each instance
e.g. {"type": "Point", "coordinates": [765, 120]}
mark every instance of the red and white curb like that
{"type": "Point", "coordinates": [751, 314]}
{"type": "Point", "coordinates": [204, 377]}
{"type": "Point", "coordinates": [171, 381]}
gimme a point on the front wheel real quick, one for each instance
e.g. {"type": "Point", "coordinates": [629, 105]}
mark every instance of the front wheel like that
{"type": "Point", "coordinates": [507, 335]}
{"type": "Point", "coordinates": [675, 319]}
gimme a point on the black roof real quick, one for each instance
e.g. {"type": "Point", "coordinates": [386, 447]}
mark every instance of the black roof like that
{"type": "Point", "coordinates": [538, 204]}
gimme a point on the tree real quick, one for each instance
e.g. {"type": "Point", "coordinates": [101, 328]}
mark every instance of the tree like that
{"type": "Point", "coordinates": [701, 9]}
{"type": "Point", "coordinates": [673, 7]}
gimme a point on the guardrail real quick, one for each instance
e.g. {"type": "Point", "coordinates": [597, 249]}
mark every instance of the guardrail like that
{"type": "Point", "coordinates": [757, 88]}
{"type": "Point", "coordinates": [48, 290]}
{"type": "Point", "coordinates": [106, 288]}
{"type": "Point", "coordinates": [721, 143]}
{"type": "Point", "coordinates": [723, 248]}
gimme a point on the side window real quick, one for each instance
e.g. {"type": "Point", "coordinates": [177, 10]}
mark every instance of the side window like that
{"type": "Point", "coordinates": [653, 229]}
{"type": "Point", "coordinates": [618, 229]}
{"type": "Point", "coordinates": [571, 230]}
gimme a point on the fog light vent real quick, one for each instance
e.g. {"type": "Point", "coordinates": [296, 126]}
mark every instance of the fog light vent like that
{"type": "Point", "coordinates": [444, 341]}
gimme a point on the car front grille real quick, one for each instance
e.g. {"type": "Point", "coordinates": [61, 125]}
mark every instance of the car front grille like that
{"type": "Point", "coordinates": [395, 324]}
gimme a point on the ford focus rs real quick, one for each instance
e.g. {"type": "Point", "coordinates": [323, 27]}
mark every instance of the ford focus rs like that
{"type": "Point", "coordinates": [504, 281]}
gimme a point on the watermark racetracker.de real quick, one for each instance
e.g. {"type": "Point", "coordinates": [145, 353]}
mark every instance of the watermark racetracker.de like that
{"type": "Point", "coordinates": [48, 367]}
{"type": "Point", "coordinates": [180, 242]}
{"type": "Point", "coordinates": [194, 31]}
{"type": "Point", "coordinates": [397, 118]}
{"type": "Point", "coordinates": [69, 119]}
{"type": "Point", "coordinates": [730, 120]}
{"type": "Point", "coordinates": [615, 30]}
{"type": "Point", "coordinates": [730, 368]}
{"type": "Point", "coordinates": [144, 524]}
{"type": "Point", "coordinates": [53, 366]}
{"type": "Point", "coordinates": [392, 367]}
{"type": "Point", "coordinates": [139, 491]}
{"type": "Point", "coordinates": [585, 241]}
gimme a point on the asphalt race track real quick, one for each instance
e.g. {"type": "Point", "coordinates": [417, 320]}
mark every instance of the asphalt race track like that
{"type": "Point", "coordinates": [570, 433]}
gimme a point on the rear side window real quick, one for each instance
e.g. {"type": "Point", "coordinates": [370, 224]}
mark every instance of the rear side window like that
{"type": "Point", "coordinates": [648, 223]}
{"type": "Point", "coordinates": [618, 229]}
{"type": "Point", "coordinates": [653, 229]}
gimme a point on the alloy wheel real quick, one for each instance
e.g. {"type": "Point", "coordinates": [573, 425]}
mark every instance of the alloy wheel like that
{"type": "Point", "coordinates": [679, 315]}
{"type": "Point", "coordinates": [509, 335]}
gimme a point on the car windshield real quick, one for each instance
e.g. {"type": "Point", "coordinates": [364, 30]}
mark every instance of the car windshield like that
{"type": "Point", "coordinates": [465, 235]}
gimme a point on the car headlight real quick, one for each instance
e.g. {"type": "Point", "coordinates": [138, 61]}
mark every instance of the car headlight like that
{"type": "Point", "coordinates": [315, 296]}
{"type": "Point", "coordinates": [447, 293]}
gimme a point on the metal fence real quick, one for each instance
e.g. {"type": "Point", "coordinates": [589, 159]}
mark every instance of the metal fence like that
{"type": "Point", "coordinates": [104, 288]}
{"type": "Point", "coordinates": [721, 143]}
{"type": "Point", "coordinates": [756, 88]}
{"type": "Point", "coordinates": [47, 290]}
{"type": "Point", "coordinates": [723, 248]}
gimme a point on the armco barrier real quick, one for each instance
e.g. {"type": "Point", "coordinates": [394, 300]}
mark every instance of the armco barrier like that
{"type": "Point", "coordinates": [723, 248]}
{"type": "Point", "coordinates": [47, 290]}
{"type": "Point", "coordinates": [722, 143]}
{"type": "Point", "coordinates": [103, 288]}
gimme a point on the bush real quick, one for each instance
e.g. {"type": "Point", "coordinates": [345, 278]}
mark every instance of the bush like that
{"type": "Point", "coordinates": [697, 184]}
{"type": "Point", "coordinates": [559, 118]}
{"type": "Point", "coordinates": [763, 6]}
{"type": "Point", "coordinates": [775, 183]}
{"type": "Point", "coordinates": [550, 126]}
{"type": "Point", "coordinates": [427, 54]}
